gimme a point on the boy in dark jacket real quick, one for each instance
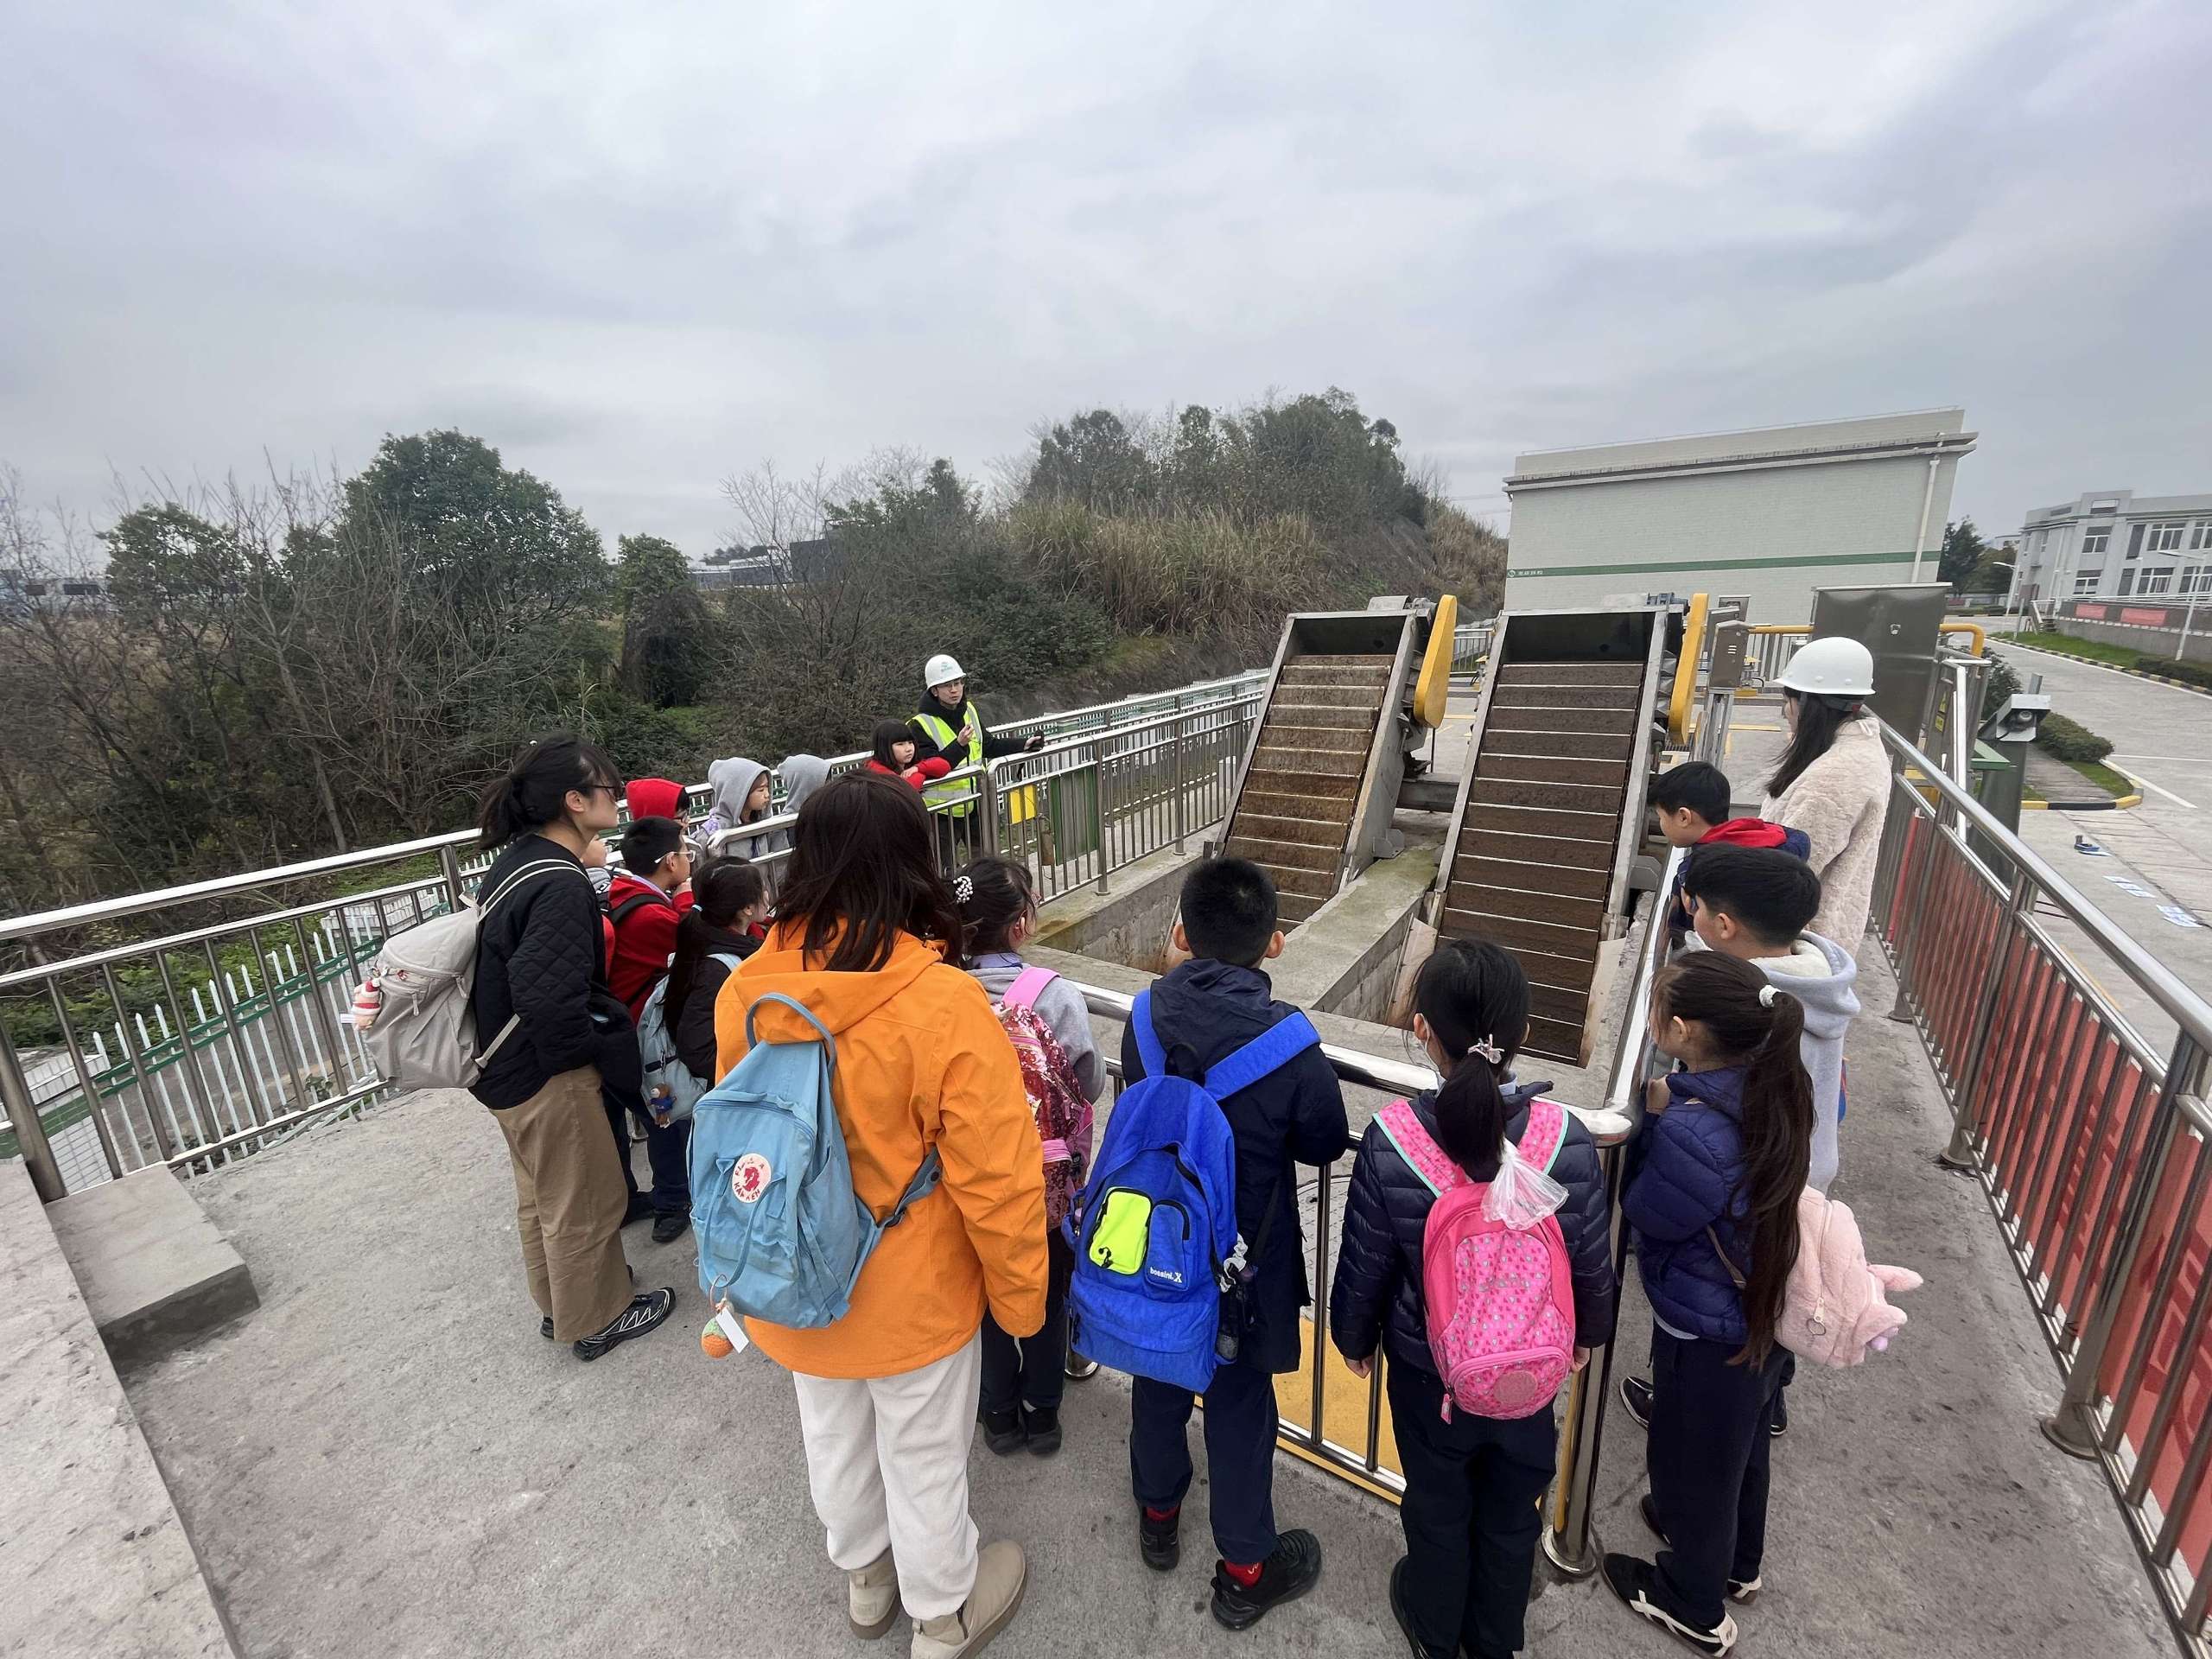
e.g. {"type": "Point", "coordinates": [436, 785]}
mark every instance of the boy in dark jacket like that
{"type": "Point", "coordinates": [1693, 801]}
{"type": "Point", "coordinates": [1472, 1482]}
{"type": "Point", "coordinates": [1204, 1011]}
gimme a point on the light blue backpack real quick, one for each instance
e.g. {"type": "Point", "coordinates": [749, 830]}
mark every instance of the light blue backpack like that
{"type": "Point", "coordinates": [782, 1235]}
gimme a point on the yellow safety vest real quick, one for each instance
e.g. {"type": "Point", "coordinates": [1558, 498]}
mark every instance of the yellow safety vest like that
{"type": "Point", "coordinates": [958, 798]}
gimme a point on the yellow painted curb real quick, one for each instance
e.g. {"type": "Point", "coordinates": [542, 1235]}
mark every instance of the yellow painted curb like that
{"type": "Point", "coordinates": [2035, 806]}
{"type": "Point", "coordinates": [2126, 801]}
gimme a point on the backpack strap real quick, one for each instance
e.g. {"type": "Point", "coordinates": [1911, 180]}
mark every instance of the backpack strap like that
{"type": "Point", "coordinates": [1268, 1052]}
{"type": "Point", "coordinates": [924, 1183]}
{"type": "Point", "coordinates": [1545, 1135]}
{"type": "Point", "coordinates": [635, 903]}
{"type": "Point", "coordinates": [728, 959]}
{"type": "Point", "coordinates": [829, 1043]}
{"type": "Point", "coordinates": [537, 867]}
{"type": "Point", "coordinates": [1148, 1049]}
{"type": "Point", "coordinates": [1400, 1125]}
{"type": "Point", "coordinates": [1028, 987]}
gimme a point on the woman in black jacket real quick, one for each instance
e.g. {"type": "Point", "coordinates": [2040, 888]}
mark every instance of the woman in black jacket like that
{"type": "Point", "coordinates": [726, 901]}
{"type": "Point", "coordinates": [1472, 1482]}
{"type": "Point", "coordinates": [554, 1030]}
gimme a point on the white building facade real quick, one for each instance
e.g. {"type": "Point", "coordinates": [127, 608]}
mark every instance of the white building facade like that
{"type": "Point", "coordinates": [1769, 513]}
{"type": "Point", "coordinates": [2116, 544]}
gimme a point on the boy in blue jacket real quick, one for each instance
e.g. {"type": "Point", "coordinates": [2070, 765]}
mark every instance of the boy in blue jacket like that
{"type": "Point", "coordinates": [1202, 1012]}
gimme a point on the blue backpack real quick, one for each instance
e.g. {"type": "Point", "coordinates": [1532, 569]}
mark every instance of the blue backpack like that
{"type": "Point", "coordinates": [1154, 1228]}
{"type": "Point", "coordinates": [782, 1235]}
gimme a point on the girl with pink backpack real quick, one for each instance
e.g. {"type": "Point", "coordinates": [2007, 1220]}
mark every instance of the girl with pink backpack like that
{"type": "Point", "coordinates": [1477, 1254]}
{"type": "Point", "coordinates": [1050, 1027]}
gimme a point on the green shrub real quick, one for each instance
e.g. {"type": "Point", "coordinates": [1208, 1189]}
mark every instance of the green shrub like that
{"type": "Point", "coordinates": [2192, 673]}
{"type": "Point", "coordinates": [2070, 741]}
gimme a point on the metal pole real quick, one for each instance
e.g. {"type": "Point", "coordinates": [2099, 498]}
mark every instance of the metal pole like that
{"type": "Point", "coordinates": [108, 1149]}
{"type": "Point", "coordinates": [1960, 1154]}
{"type": "Point", "coordinates": [30, 1132]}
{"type": "Point", "coordinates": [989, 806]}
{"type": "Point", "coordinates": [1582, 1431]}
{"type": "Point", "coordinates": [449, 862]}
{"type": "Point", "coordinates": [326, 1023]}
{"type": "Point", "coordinates": [1318, 1432]}
{"type": "Point", "coordinates": [2070, 1428]}
{"type": "Point", "coordinates": [1098, 808]}
{"type": "Point", "coordinates": [1919, 876]}
{"type": "Point", "coordinates": [1181, 806]}
{"type": "Point", "coordinates": [131, 1048]}
{"type": "Point", "coordinates": [2189, 616]}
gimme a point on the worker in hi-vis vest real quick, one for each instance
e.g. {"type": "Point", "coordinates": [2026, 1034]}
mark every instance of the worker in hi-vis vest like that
{"type": "Point", "coordinates": [949, 726]}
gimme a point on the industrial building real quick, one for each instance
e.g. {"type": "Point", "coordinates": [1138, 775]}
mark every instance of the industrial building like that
{"type": "Point", "coordinates": [1768, 513]}
{"type": "Point", "coordinates": [2116, 544]}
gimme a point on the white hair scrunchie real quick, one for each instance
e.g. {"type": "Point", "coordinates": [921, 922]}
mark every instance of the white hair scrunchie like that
{"type": "Point", "coordinates": [1767, 993]}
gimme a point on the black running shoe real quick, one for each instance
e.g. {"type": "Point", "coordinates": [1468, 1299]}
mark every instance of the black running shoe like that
{"type": "Point", "coordinates": [1405, 1623]}
{"type": "Point", "coordinates": [545, 1327]}
{"type": "Point", "coordinates": [670, 1227]}
{"type": "Point", "coordinates": [1002, 1430]}
{"type": "Point", "coordinates": [1042, 1430]}
{"type": "Point", "coordinates": [643, 1314]}
{"type": "Point", "coordinates": [1294, 1568]}
{"type": "Point", "coordinates": [1635, 1394]}
{"type": "Point", "coordinates": [1742, 1592]}
{"type": "Point", "coordinates": [1778, 1424]}
{"type": "Point", "coordinates": [1160, 1542]}
{"type": "Point", "coordinates": [1634, 1580]}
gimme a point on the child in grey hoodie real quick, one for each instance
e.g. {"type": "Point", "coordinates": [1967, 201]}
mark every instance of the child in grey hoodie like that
{"type": "Point", "coordinates": [1754, 903]}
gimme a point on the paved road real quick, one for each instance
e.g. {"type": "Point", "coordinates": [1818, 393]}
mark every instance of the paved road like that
{"type": "Point", "coordinates": [2154, 876]}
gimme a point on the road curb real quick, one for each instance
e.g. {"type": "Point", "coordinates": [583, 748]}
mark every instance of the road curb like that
{"type": "Point", "coordinates": [2120, 804]}
{"type": "Point", "coordinates": [2109, 668]}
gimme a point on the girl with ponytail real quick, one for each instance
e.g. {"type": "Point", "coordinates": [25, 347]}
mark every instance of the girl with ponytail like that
{"type": "Point", "coordinates": [1714, 1206]}
{"type": "Point", "coordinates": [1472, 1482]}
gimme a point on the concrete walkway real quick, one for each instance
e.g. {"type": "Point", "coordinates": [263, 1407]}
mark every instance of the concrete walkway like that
{"type": "Point", "coordinates": [386, 1457]}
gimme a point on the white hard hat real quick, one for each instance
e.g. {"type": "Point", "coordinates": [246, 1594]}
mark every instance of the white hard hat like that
{"type": "Point", "coordinates": [1831, 668]}
{"type": "Point", "coordinates": [940, 669]}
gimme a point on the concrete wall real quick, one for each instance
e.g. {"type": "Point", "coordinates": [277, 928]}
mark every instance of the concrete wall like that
{"type": "Point", "coordinates": [1344, 959]}
{"type": "Point", "coordinates": [93, 1558]}
{"type": "Point", "coordinates": [2152, 642]}
{"type": "Point", "coordinates": [1129, 923]}
{"type": "Point", "coordinates": [1775, 530]}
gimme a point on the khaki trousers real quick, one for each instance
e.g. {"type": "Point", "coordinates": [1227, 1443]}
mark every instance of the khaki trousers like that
{"type": "Point", "coordinates": [568, 1203]}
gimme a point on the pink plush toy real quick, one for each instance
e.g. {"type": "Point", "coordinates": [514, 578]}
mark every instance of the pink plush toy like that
{"type": "Point", "coordinates": [1837, 1307]}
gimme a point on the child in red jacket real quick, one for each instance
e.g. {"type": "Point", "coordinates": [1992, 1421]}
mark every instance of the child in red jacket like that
{"type": "Point", "coordinates": [644, 903]}
{"type": "Point", "coordinates": [894, 755]}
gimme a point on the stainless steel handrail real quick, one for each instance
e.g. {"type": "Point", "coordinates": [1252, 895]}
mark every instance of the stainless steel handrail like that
{"type": "Point", "coordinates": [1400, 1076]}
{"type": "Point", "coordinates": [2186, 1009]}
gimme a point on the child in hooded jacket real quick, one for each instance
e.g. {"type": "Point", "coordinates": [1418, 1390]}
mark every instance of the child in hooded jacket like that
{"type": "Point", "coordinates": [1471, 1483]}
{"type": "Point", "coordinates": [1024, 1379]}
{"type": "Point", "coordinates": [1712, 1198]}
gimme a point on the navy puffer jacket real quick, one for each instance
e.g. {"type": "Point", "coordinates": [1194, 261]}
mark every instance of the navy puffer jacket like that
{"type": "Point", "coordinates": [1377, 1293]}
{"type": "Point", "coordinates": [1686, 1175]}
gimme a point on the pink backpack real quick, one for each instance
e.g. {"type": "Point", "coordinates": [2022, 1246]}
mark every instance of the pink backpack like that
{"type": "Point", "coordinates": [1836, 1308]}
{"type": "Point", "coordinates": [1500, 1302]}
{"type": "Point", "coordinates": [1064, 1117]}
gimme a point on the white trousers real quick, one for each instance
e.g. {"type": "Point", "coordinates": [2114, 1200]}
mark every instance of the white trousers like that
{"type": "Point", "coordinates": [887, 1458]}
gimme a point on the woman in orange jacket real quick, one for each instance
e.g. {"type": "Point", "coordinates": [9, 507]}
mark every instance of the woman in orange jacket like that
{"type": "Point", "coordinates": [888, 1395]}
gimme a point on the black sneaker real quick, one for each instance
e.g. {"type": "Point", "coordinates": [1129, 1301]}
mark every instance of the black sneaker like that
{"type": "Point", "coordinates": [1778, 1424]}
{"type": "Point", "coordinates": [1160, 1542]}
{"type": "Point", "coordinates": [668, 1229]}
{"type": "Point", "coordinates": [640, 1208]}
{"type": "Point", "coordinates": [1398, 1613]}
{"type": "Point", "coordinates": [1288, 1574]}
{"type": "Point", "coordinates": [1002, 1430]}
{"type": "Point", "coordinates": [1742, 1592]}
{"type": "Point", "coordinates": [545, 1327]}
{"type": "Point", "coordinates": [1635, 1394]}
{"type": "Point", "coordinates": [1042, 1430]}
{"type": "Point", "coordinates": [644, 1313]}
{"type": "Point", "coordinates": [1632, 1580]}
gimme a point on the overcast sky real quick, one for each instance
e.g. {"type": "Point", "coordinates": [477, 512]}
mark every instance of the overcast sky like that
{"type": "Point", "coordinates": [640, 246]}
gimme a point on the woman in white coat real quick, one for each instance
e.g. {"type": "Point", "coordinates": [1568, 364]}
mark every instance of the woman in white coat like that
{"type": "Point", "coordinates": [1834, 780]}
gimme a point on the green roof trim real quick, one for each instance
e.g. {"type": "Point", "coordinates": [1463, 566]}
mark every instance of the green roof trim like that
{"type": "Point", "coordinates": [1671, 566]}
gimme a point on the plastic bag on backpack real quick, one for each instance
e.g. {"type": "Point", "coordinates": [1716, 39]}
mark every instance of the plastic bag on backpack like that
{"type": "Point", "coordinates": [1521, 1195]}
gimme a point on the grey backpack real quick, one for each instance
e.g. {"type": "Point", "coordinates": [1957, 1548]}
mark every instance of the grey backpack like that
{"type": "Point", "coordinates": [423, 1035]}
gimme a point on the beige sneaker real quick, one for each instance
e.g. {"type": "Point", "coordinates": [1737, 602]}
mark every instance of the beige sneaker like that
{"type": "Point", "coordinates": [1002, 1575]}
{"type": "Point", "coordinates": [872, 1598]}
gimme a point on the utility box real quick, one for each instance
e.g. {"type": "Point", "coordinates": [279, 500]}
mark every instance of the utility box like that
{"type": "Point", "coordinates": [1901, 626]}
